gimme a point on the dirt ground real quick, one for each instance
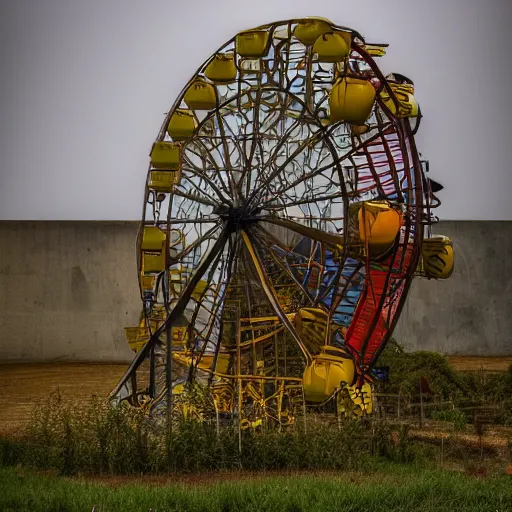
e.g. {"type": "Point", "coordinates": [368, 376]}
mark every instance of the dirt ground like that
{"type": "Point", "coordinates": [23, 385]}
{"type": "Point", "coordinates": [473, 363]}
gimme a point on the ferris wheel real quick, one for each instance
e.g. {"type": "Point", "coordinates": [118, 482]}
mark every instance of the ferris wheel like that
{"type": "Point", "coordinates": [284, 216]}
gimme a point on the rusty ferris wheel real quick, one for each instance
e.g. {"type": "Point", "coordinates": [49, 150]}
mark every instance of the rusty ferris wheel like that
{"type": "Point", "coordinates": [286, 212]}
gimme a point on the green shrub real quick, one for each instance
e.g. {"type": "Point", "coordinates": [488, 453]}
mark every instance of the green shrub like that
{"type": "Point", "coordinates": [407, 369]}
{"type": "Point", "coordinates": [455, 416]}
{"type": "Point", "coordinates": [462, 388]}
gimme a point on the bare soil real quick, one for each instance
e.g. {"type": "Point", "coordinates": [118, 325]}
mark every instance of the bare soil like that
{"type": "Point", "coordinates": [24, 385]}
{"type": "Point", "coordinates": [476, 363]}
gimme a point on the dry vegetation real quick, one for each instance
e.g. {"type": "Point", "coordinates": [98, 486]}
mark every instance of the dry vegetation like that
{"type": "Point", "coordinates": [25, 384]}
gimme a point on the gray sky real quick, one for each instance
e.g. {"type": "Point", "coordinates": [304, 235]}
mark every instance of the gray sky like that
{"type": "Point", "coordinates": [84, 86]}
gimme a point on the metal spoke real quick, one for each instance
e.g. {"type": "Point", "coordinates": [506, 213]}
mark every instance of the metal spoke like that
{"type": "Point", "coordinates": [272, 298]}
{"type": "Point", "coordinates": [312, 233]}
{"type": "Point", "coordinates": [178, 308]}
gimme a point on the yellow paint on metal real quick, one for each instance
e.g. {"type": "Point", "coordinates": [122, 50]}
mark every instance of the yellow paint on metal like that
{"type": "Point", "coordinates": [404, 93]}
{"type": "Point", "coordinates": [163, 181]}
{"type": "Point", "coordinates": [166, 155]}
{"type": "Point", "coordinates": [375, 50]}
{"type": "Point", "coordinates": [153, 239]}
{"type": "Point", "coordinates": [328, 371]}
{"type": "Point", "coordinates": [253, 43]}
{"type": "Point", "coordinates": [378, 223]}
{"type": "Point", "coordinates": [355, 401]}
{"type": "Point", "coordinates": [199, 289]}
{"type": "Point", "coordinates": [332, 46]}
{"type": "Point", "coordinates": [309, 30]}
{"type": "Point", "coordinates": [221, 69]}
{"type": "Point", "coordinates": [311, 324]}
{"type": "Point", "coordinates": [182, 125]}
{"type": "Point", "coordinates": [153, 262]}
{"type": "Point", "coordinates": [147, 282]}
{"type": "Point", "coordinates": [359, 129]}
{"type": "Point", "coordinates": [201, 95]}
{"type": "Point", "coordinates": [351, 100]}
{"type": "Point", "coordinates": [223, 396]}
{"type": "Point", "coordinates": [205, 362]}
{"type": "Point", "coordinates": [437, 258]}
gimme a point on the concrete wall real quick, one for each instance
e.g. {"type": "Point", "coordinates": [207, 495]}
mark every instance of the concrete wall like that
{"type": "Point", "coordinates": [470, 313]}
{"type": "Point", "coordinates": [69, 288]}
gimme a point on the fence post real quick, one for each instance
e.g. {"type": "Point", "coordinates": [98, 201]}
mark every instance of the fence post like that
{"type": "Point", "coordinates": [421, 408]}
{"type": "Point", "coordinates": [304, 410]}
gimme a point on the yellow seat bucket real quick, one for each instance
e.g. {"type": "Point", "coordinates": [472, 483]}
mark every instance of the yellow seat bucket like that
{"type": "Point", "coordinates": [377, 225]}
{"type": "Point", "coordinates": [309, 30]}
{"type": "Point", "coordinates": [153, 262]}
{"type": "Point", "coordinates": [327, 372]}
{"type": "Point", "coordinates": [201, 95]}
{"type": "Point", "coordinates": [163, 181]}
{"type": "Point", "coordinates": [221, 69]}
{"type": "Point", "coordinates": [152, 247]}
{"type": "Point", "coordinates": [166, 155]}
{"type": "Point", "coordinates": [182, 124]}
{"type": "Point", "coordinates": [356, 401]}
{"type": "Point", "coordinates": [311, 324]}
{"type": "Point", "coordinates": [407, 104]}
{"type": "Point", "coordinates": [351, 100]}
{"type": "Point", "coordinates": [253, 43]}
{"type": "Point", "coordinates": [147, 282]}
{"type": "Point", "coordinates": [332, 46]}
{"type": "Point", "coordinates": [153, 239]}
{"type": "Point", "coordinates": [437, 258]}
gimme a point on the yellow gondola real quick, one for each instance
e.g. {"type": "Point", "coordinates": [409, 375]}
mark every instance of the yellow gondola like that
{"type": "Point", "coordinates": [351, 100]}
{"type": "Point", "coordinates": [332, 46]}
{"type": "Point", "coordinates": [253, 43]}
{"type": "Point", "coordinates": [222, 69]}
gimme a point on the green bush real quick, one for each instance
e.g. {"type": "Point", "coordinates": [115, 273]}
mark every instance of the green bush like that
{"type": "Point", "coordinates": [408, 368]}
{"type": "Point", "coordinates": [455, 416]}
{"type": "Point", "coordinates": [462, 388]}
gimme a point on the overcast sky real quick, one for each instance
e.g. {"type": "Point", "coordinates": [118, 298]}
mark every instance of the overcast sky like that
{"type": "Point", "coordinates": [84, 86]}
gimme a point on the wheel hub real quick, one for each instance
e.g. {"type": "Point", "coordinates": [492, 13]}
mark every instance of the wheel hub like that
{"type": "Point", "coordinates": [237, 217]}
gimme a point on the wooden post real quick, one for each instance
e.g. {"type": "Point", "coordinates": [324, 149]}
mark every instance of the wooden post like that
{"type": "Point", "coordinates": [239, 380]}
{"type": "Point", "coordinates": [279, 403]}
{"type": "Point", "coordinates": [338, 412]}
{"type": "Point", "coordinates": [217, 421]}
{"type": "Point", "coordinates": [168, 354]}
{"type": "Point", "coordinates": [421, 407]}
{"type": "Point", "coordinates": [304, 409]}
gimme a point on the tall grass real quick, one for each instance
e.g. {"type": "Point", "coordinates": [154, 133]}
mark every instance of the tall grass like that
{"type": "Point", "coordinates": [101, 439]}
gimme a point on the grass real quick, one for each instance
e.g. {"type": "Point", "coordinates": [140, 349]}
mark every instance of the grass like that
{"type": "Point", "coordinates": [363, 465]}
{"type": "Point", "coordinates": [95, 438]}
{"type": "Point", "coordinates": [391, 488]}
